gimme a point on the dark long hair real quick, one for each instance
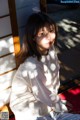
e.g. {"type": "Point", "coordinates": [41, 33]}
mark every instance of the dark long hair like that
{"type": "Point", "coordinates": [34, 23]}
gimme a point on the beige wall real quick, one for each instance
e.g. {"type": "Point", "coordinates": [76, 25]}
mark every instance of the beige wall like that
{"type": "Point", "coordinates": [7, 55]}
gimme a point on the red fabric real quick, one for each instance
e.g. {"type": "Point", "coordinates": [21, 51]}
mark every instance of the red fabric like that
{"type": "Point", "coordinates": [12, 119]}
{"type": "Point", "coordinates": [73, 97]}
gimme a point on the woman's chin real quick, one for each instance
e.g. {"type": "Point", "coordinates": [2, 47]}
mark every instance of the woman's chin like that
{"type": "Point", "coordinates": [48, 46]}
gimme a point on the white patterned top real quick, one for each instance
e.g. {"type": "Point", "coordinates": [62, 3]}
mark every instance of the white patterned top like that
{"type": "Point", "coordinates": [35, 87]}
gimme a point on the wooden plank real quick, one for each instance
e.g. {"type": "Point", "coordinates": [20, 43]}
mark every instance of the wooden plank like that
{"type": "Point", "coordinates": [14, 26]}
{"type": "Point", "coordinates": [6, 80]}
{"type": "Point", "coordinates": [43, 5]}
{"type": "Point", "coordinates": [4, 4]}
{"type": "Point", "coordinates": [5, 26]}
{"type": "Point", "coordinates": [7, 63]}
{"type": "Point", "coordinates": [6, 45]}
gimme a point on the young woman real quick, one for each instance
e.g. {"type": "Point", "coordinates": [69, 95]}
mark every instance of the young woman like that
{"type": "Point", "coordinates": [36, 82]}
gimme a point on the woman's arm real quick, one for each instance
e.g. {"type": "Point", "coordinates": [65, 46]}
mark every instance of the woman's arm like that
{"type": "Point", "coordinates": [20, 95]}
{"type": "Point", "coordinates": [43, 94]}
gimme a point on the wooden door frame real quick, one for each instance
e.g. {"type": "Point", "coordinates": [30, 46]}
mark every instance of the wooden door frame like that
{"type": "Point", "coordinates": [14, 25]}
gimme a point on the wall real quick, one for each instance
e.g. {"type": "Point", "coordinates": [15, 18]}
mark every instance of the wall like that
{"type": "Point", "coordinates": [23, 9]}
{"type": "Point", "coordinates": [7, 52]}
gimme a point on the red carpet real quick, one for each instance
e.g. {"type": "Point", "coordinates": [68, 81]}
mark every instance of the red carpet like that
{"type": "Point", "coordinates": [12, 118]}
{"type": "Point", "coordinates": [72, 96]}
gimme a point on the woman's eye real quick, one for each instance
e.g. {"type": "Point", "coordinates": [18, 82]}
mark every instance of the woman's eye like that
{"type": "Point", "coordinates": [51, 31]}
{"type": "Point", "coordinates": [41, 34]}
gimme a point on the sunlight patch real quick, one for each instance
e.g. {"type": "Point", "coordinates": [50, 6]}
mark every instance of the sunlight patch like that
{"type": "Point", "coordinates": [24, 73]}
{"type": "Point", "coordinates": [52, 67]}
{"type": "Point", "coordinates": [35, 89]}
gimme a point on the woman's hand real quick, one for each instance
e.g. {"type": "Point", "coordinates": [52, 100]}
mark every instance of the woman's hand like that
{"type": "Point", "coordinates": [69, 106]}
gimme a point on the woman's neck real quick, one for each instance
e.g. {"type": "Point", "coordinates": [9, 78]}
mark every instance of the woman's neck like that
{"type": "Point", "coordinates": [43, 51]}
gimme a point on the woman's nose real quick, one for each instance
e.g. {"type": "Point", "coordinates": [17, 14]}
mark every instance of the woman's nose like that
{"type": "Point", "coordinates": [48, 36]}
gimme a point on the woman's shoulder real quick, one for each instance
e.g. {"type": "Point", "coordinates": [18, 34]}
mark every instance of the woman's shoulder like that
{"type": "Point", "coordinates": [30, 63]}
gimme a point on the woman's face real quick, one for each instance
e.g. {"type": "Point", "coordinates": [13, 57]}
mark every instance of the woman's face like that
{"type": "Point", "coordinates": [45, 39]}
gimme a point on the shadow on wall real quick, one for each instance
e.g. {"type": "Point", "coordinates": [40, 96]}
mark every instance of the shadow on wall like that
{"type": "Point", "coordinates": [69, 48]}
{"type": "Point", "coordinates": [69, 34]}
{"type": "Point", "coordinates": [68, 42]}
